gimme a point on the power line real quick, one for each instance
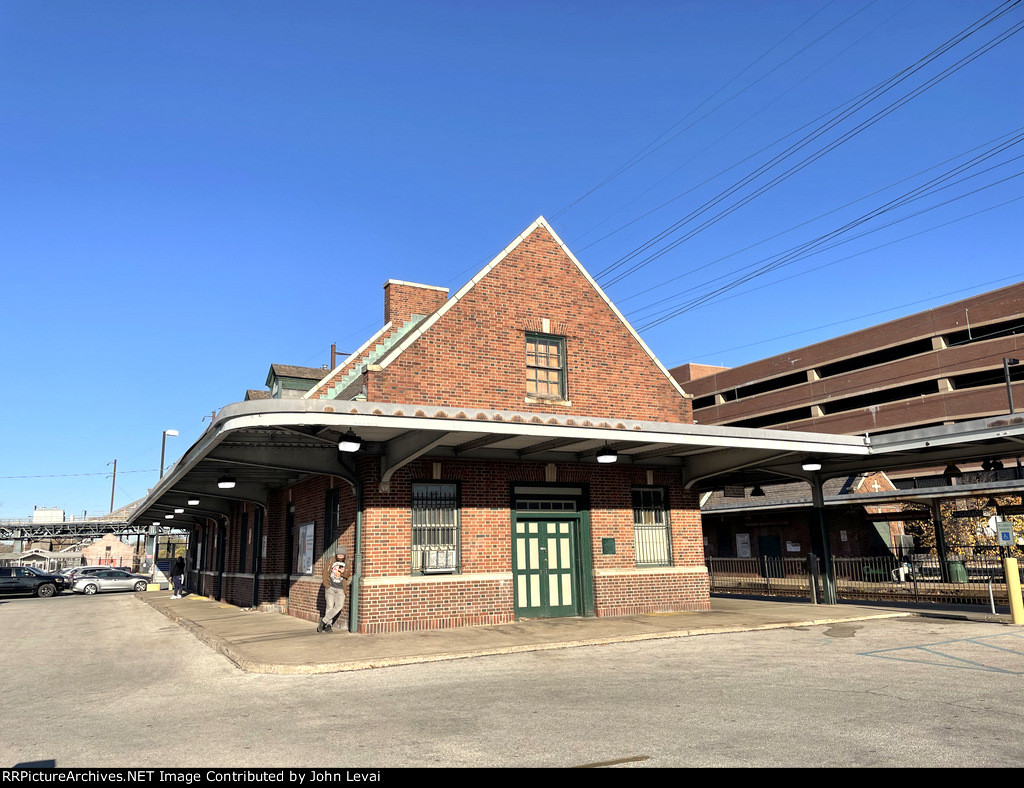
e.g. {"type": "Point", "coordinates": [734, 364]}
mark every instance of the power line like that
{"type": "Point", "coordinates": [865, 99]}
{"type": "Point", "coordinates": [872, 249]}
{"type": "Point", "coordinates": [1016, 277]}
{"type": "Point", "coordinates": [649, 148]}
{"type": "Point", "coordinates": [704, 299]}
{"type": "Point", "coordinates": [683, 275]}
{"type": "Point", "coordinates": [693, 158]}
{"type": "Point", "coordinates": [804, 250]}
{"type": "Point", "coordinates": [68, 475]}
{"type": "Point", "coordinates": [814, 157]}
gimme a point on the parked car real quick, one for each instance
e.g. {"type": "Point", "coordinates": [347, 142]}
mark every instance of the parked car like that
{"type": "Point", "coordinates": [109, 580]}
{"type": "Point", "coordinates": [29, 580]}
{"type": "Point", "coordinates": [78, 571]}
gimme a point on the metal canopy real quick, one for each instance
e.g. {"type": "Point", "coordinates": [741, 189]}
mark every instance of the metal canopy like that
{"type": "Point", "coordinates": [269, 444]}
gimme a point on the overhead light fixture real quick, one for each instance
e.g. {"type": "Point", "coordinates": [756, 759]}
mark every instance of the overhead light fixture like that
{"type": "Point", "coordinates": [607, 454]}
{"type": "Point", "coordinates": [811, 465]}
{"type": "Point", "coordinates": [997, 465]}
{"type": "Point", "coordinates": [156, 522]}
{"type": "Point", "coordinates": [757, 492]}
{"type": "Point", "coordinates": [991, 503]}
{"type": "Point", "coordinates": [179, 511]}
{"type": "Point", "coordinates": [168, 516]}
{"type": "Point", "coordinates": [193, 502]}
{"type": "Point", "coordinates": [350, 442]}
{"type": "Point", "coordinates": [952, 472]}
{"type": "Point", "coordinates": [226, 482]}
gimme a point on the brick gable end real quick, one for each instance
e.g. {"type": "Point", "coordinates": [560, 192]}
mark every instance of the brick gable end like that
{"type": "Point", "coordinates": [474, 354]}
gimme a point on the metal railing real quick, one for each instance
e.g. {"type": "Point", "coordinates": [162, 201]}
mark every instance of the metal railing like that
{"type": "Point", "coordinates": [975, 579]}
{"type": "Point", "coordinates": [767, 575]}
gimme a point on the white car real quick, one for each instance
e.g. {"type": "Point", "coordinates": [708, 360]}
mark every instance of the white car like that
{"type": "Point", "coordinates": [109, 580]}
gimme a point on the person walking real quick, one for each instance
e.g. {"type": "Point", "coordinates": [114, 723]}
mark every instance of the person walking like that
{"type": "Point", "coordinates": [177, 576]}
{"type": "Point", "coordinates": [337, 574]}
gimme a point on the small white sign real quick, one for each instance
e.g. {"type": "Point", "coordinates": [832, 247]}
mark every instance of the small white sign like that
{"type": "Point", "coordinates": [1004, 532]}
{"type": "Point", "coordinates": [793, 547]}
{"type": "Point", "coordinates": [743, 545]}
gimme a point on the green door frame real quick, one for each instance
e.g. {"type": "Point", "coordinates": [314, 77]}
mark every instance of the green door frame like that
{"type": "Point", "coordinates": [578, 495]}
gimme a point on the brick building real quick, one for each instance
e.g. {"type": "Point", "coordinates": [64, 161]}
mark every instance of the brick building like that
{"type": "Point", "coordinates": [476, 494]}
{"type": "Point", "coordinates": [108, 551]}
{"type": "Point", "coordinates": [938, 367]}
{"type": "Point", "coordinates": [513, 450]}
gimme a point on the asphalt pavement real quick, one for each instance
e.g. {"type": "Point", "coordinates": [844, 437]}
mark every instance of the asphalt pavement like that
{"type": "Point", "coordinates": [266, 642]}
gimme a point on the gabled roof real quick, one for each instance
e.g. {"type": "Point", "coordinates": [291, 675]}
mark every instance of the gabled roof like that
{"type": "Point", "coordinates": [288, 371]}
{"type": "Point", "coordinates": [386, 345]}
{"type": "Point", "coordinates": [400, 347]}
{"type": "Point", "coordinates": [797, 493]}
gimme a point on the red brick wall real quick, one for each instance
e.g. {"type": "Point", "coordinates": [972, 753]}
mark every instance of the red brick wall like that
{"type": "Point", "coordinates": [392, 600]}
{"type": "Point", "coordinates": [485, 487]}
{"type": "Point", "coordinates": [480, 342]}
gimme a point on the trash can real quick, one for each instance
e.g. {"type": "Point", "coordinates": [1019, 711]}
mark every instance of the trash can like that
{"type": "Point", "coordinates": [957, 571]}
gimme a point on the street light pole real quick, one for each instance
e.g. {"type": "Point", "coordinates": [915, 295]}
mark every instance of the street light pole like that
{"type": "Point", "coordinates": [1007, 362]}
{"type": "Point", "coordinates": [163, 445]}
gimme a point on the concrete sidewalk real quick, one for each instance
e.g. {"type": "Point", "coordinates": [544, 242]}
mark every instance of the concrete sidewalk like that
{"type": "Point", "coordinates": [275, 643]}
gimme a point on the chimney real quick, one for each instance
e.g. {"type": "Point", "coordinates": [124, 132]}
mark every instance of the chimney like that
{"type": "Point", "coordinates": [402, 300]}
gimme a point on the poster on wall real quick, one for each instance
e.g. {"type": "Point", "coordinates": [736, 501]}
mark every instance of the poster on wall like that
{"type": "Point", "coordinates": [743, 545]}
{"type": "Point", "coordinates": [304, 549]}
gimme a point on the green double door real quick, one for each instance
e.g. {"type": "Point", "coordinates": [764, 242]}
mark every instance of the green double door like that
{"type": "Point", "coordinates": [545, 568]}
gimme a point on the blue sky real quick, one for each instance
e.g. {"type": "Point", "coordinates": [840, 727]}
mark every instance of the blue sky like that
{"type": "Point", "coordinates": [191, 191]}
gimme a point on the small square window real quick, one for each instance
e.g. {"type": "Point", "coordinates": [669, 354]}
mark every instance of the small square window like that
{"type": "Point", "coordinates": [545, 366]}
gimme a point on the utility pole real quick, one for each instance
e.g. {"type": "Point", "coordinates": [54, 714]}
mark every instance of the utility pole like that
{"type": "Point", "coordinates": [1007, 362]}
{"type": "Point", "coordinates": [112, 483]}
{"type": "Point", "coordinates": [335, 354]}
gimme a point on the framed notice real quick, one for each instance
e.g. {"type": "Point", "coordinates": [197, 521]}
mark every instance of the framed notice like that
{"type": "Point", "coordinates": [304, 549]}
{"type": "Point", "coordinates": [743, 545]}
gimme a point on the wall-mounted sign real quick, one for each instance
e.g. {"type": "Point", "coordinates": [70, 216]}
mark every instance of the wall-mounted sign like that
{"type": "Point", "coordinates": [743, 545]}
{"type": "Point", "coordinates": [734, 491]}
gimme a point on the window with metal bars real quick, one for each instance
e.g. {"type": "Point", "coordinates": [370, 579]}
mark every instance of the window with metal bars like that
{"type": "Point", "coordinates": [435, 528]}
{"type": "Point", "coordinates": [651, 532]}
{"type": "Point", "coordinates": [545, 366]}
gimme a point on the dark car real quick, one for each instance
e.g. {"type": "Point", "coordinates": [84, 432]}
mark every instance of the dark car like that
{"type": "Point", "coordinates": [29, 580]}
{"type": "Point", "coordinates": [109, 580]}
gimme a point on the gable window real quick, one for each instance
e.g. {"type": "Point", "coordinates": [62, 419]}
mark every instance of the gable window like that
{"type": "Point", "coordinates": [651, 536]}
{"type": "Point", "coordinates": [545, 366]}
{"type": "Point", "coordinates": [435, 528]}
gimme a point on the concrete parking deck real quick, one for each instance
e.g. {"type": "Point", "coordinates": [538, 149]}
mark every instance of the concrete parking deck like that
{"type": "Point", "coordinates": [274, 643]}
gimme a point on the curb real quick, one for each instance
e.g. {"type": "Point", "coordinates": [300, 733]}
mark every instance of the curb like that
{"type": "Point", "coordinates": [221, 646]}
